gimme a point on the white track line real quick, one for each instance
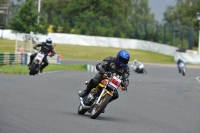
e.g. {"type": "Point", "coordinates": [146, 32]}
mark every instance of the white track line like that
{"type": "Point", "coordinates": [47, 72]}
{"type": "Point", "coordinates": [51, 72]}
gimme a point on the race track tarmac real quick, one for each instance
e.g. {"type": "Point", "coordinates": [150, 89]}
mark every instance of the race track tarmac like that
{"type": "Point", "coordinates": [161, 101]}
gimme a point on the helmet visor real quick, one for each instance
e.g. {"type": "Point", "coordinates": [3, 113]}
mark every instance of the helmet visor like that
{"type": "Point", "coordinates": [123, 60]}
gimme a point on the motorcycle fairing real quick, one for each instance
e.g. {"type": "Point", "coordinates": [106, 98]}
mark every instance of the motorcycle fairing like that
{"type": "Point", "coordinates": [39, 56]}
{"type": "Point", "coordinates": [114, 82]}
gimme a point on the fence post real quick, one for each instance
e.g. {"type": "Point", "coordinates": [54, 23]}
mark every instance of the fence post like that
{"type": "Point", "coordinates": [1, 58]}
{"type": "Point", "coordinates": [164, 34]}
{"type": "Point", "coordinates": [156, 35]}
{"type": "Point", "coordinates": [146, 30]}
{"type": "Point", "coordinates": [172, 34]}
{"type": "Point", "coordinates": [11, 59]}
{"type": "Point", "coordinates": [190, 39]}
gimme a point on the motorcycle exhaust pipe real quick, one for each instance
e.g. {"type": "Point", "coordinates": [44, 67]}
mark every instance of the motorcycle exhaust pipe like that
{"type": "Point", "coordinates": [84, 106]}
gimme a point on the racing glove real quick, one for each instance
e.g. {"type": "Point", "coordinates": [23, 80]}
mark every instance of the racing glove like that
{"type": "Point", "coordinates": [123, 88]}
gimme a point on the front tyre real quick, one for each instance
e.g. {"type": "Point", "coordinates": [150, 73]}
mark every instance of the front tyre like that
{"type": "Point", "coordinates": [81, 111]}
{"type": "Point", "coordinates": [33, 69]}
{"type": "Point", "coordinates": [97, 109]}
{"type": "Point", "coordinates": [183, 71]}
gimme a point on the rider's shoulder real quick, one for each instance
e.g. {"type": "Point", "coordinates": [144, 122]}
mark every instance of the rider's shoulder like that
{"type": "Point", "coordinates": [127, 66]}
{"type": "Point", "coordinates": [43, 43]}
{"type": "Point", "coordinates": [109, 58]}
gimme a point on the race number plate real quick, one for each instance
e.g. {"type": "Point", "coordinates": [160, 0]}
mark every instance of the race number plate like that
{"type": "Point", "coordinates": [181, 65]}
{"type": "Point", "coordinates": [39, 56]}
{"type": "Point", "coordinates": [115, 82]}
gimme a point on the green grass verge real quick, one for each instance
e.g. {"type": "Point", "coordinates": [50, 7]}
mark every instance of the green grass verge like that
{"type": "Point", "coordinates": [84, 53]}
{"type": "Point", "coordinates": [18, 69]}
{"type": "Point", "coordinates": [7, 45]}
{"type": "Point", "coordinates": [96, 53]}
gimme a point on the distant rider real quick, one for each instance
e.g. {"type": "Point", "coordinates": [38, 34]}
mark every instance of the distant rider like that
{"type": "Point", "coordinates": [114, 65]}
{"type": "Point", "coordinates": [136, 66]}
{"type": "Point", "coordinates": [46, 48]}
{"type": "Point", "coordinates": [178, 64]}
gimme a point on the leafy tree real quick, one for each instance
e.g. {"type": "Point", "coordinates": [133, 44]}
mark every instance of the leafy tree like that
{"type": "Point", "coordinates": [142, 20]}
{"type": "Point", "coordinates": [3, 1]}
{"type": "Point", "coordinates": [183, 14]}
{"type": "Point", "coordinates": [98, 17]}
{"type": "Point", "coordinates": [27, 20]}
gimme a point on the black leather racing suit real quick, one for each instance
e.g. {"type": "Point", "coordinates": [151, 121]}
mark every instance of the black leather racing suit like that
{"type": "Point", "coordinates": [109, 65]}
{"type": "Point", "coordinates": [45, 49]}
{"type": "Point", "coordinates": [178, 63]}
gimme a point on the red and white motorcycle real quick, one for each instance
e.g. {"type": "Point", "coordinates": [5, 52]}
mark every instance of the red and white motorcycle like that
{"type": "Point", "coordinates": [37, 63]}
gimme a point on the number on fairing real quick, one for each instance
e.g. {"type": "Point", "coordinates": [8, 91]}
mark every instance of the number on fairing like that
{"type": "Point", "coordinates": [181, 65]}
{"type": "Point", "coordinates": [39, 56]}
{"type": "Point", "coordinates": [115, 82]}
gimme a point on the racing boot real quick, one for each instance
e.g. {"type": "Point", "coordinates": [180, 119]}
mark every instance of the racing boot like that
{"type": "Point", "coordinates": [89, 87]}
{"type": "Point", "coordinates": [41, 69]}
{"type": "Point", "coordinates": [29, 65]}
{"type": "Point", "coordinates": [84, 93]}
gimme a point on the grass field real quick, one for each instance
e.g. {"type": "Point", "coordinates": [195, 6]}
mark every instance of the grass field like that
{"type": "Point", "coordinates": [96, 53]}
{"type": "Point", "coordinates": [19, 69]}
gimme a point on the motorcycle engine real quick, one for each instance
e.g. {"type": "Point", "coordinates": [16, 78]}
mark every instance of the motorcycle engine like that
{"type": "Point", "coordinates": [89, 99]}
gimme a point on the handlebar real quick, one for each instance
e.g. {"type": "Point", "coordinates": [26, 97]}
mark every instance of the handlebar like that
{"type": "Point", "coordinates": [35, 48]}
{"type": "Point", "coordinates": [42, 52]}
{"type": "Point", "coordinates": [110, 74]}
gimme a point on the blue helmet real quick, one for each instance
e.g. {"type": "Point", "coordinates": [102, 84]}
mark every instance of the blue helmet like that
{"type": "Point", "coordinates": [122, 58]}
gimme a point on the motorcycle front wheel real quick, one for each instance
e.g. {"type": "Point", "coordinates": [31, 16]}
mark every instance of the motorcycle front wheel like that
{"type": "Point", "coordinates": [81, 111]}
{"type": "Point", "coordinates": [97, 109]}
{"type": "Point", "coordinates": [183, 71]}
{"type": "Point", "coordinates": [33, 69]}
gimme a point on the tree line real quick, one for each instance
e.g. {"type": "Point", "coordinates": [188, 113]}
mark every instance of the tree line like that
{"type": "Point", "coordinates": [112, 18]}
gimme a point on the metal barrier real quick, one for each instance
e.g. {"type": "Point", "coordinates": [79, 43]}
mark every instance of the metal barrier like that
{"type": "Point", "coordinates": [10, 58]}
{"type": "Point", "coordinates": [91, 68]}
{"type": "Point", "coordinates": [20, 58]}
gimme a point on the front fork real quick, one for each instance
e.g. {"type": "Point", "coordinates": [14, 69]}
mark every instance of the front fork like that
{"type": "Point", "coordinates": [102, 94]}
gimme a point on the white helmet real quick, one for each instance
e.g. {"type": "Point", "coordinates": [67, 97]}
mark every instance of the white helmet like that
{"type": "Point", "coordinates": [48, 41]}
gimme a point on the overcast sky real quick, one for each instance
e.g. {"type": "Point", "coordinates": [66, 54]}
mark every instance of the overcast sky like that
{"type": "Point", "coordinates": [158, 7]}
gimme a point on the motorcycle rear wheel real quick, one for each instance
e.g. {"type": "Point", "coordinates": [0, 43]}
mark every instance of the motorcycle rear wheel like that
{"type": "Point", "coordinates": [97, 109]}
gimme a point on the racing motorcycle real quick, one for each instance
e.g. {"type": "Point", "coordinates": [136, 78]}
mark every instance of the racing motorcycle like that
{"type": "Point", "coordinates": [139, 68]}
{"type": "Point", "coordinates": [37, 63]}
{"type": "Point", "coordinates": [98, 98]}
{"type": "Point", "coordinates": [182, 68]}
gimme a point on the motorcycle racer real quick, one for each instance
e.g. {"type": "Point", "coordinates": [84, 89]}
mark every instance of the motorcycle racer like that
{"type": "Point", "coordinates": [46, 47]}
{"type": "Point", "coordinates": [178, 64]}
{"type": "Point", "coordinates": [138, 66]}
{"type": "Point", "coordinates": [111, 64]}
